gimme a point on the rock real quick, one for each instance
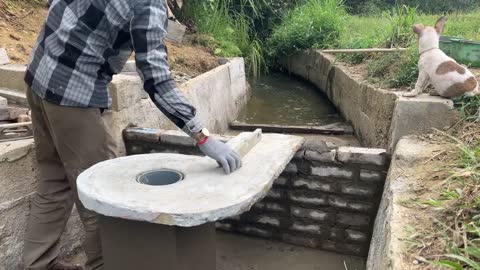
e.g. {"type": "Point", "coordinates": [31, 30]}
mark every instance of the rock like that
{"type": "Point", "coordinates": [4, 59]}
{"type": "Point", "coordinates": [3, 103]}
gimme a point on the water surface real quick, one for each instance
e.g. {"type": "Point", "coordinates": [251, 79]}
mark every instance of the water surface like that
{"type": "Point", "coordinates": [283, 100]}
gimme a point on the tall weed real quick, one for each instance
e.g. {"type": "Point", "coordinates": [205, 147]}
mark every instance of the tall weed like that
{"type": "Point", "coordinates": [399, 33]}
{"type": "Point", "coordinates": [315, 24]}
{"type": "Point", "coordinates": [230, 24]}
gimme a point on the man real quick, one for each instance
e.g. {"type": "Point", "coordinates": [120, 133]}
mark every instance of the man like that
{"type": "Point", "coordinates": [82, 44]}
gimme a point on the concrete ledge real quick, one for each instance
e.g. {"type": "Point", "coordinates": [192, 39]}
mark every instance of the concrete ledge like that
{"type": "Point", "coordinates": [379, 117]}
{"type": "Point", "coordinates": [419, 115]}
{"type": "Point", "coordinates": [11, 77]}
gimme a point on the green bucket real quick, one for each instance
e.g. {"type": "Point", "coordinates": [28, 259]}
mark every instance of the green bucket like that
{"type": "Point", "coordinates": [464, 51]}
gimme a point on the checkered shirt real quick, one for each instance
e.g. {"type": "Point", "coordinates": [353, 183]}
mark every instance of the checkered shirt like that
{"type": "Point", "coordinates": [85, 42]}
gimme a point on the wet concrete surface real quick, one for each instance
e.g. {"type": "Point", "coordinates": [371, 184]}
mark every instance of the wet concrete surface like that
{"type": "Point", "coordinates": [237, 252]}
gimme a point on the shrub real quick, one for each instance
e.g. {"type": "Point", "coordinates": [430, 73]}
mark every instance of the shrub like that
{"type": "Point", "coordinates": [227, 29]}
{"type": "Point", "coordinates": [315, 24]}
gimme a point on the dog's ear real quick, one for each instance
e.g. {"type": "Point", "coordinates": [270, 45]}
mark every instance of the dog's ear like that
{"type": "Point", "coordinates": [418, 28]}
{"type": "Point", "coordinates": [440, 25]}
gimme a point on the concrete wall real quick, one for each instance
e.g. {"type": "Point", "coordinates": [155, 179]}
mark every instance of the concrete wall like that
{"type": "Point", "coordinates": [219, 95]}
{"type": "Point", "coordinates": [326, 198]}
{"type": "Point", "coordinates": [17, 179]}
{"type": "Point", "coordinates": [379, 117]}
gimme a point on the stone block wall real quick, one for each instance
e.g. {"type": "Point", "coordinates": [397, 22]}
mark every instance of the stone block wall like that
{"type": "Point", "coordinates": [326, 198]}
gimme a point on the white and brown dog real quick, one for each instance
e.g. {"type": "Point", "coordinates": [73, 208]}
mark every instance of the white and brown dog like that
{"type": "Point", "coordinates": [449, 78]}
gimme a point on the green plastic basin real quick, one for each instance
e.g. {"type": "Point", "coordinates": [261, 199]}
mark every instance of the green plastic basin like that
{"type": "Point", "coordinates": [464, 51]}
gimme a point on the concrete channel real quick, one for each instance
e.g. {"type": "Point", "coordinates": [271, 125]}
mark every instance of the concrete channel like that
{"type": "Point", "coordinates": [320, 212]}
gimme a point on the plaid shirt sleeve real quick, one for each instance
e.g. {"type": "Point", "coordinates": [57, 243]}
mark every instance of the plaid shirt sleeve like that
{"type": "Point", "coordinates": [148, 29]}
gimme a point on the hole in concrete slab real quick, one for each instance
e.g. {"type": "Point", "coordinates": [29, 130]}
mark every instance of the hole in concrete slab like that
{"type": "Point", "coordinates": [161, 177]}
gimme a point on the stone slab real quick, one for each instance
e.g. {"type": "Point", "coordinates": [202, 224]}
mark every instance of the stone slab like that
{"type": "Point", "coordinates": [358, 155]}
{"type": "Point", "coordinates": [4, 57]}
{"type": "Point", "coordinates": [205, 195]}
{"type": "Point", "coordinates": [175, 31]}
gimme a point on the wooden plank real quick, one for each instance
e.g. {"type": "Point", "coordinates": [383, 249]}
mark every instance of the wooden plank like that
{"type": "Point", "coordinates": [175, 31]}
{"type": "Point", "coordinates": [371, 50]}
{"type": "Point", "coordinates": [332, 129]}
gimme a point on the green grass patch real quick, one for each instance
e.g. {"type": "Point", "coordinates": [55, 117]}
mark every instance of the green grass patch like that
{"type": "Point", "coordinates": [227, 28]}
{"type": "Point", "coordinates": [393, 29]}
{"type": "Point", "coordinates": [315, 24]}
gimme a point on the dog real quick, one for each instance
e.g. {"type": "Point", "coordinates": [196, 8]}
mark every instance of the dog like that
{"type": "Point", "coordinates": [449, 78]}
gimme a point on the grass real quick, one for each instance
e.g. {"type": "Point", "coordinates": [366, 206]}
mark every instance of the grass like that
{"type": "Point", "coordinates": [462, 233]}
{"type": "Point", "coordinates": [393, 29]}
{"type": "Point", "coordinates": [227, 28]}
{"type": "Point", "coordinates": [315, 24]}
{"type": "Point", "coordinates": [447, 230]}
{"type": "Point", "coordinates": [453, 202]}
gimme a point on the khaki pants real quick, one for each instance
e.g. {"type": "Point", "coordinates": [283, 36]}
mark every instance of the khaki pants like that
{"type": "Point", "coordinates": [68, 140]}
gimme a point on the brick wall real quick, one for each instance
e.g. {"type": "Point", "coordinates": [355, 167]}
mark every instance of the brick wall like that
{"type": "Point", "coordinates": [326, 198]}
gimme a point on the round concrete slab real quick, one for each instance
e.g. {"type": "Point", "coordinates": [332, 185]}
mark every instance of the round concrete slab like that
{"type": "Point", "coordinates": [205, 194]}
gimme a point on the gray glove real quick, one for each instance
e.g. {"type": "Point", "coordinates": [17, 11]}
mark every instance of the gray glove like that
{"type": "Point", "coordinates": [225, 156]}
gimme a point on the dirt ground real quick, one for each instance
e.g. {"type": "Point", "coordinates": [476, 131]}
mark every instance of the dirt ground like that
{"type": "Point", "coordinates": [21, 21]}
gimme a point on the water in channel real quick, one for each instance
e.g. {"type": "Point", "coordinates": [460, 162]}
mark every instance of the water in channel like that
{"type": "Point", "coordinates": [280, 99]}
